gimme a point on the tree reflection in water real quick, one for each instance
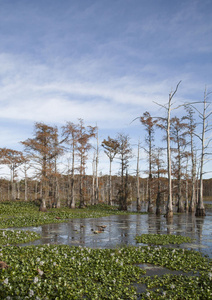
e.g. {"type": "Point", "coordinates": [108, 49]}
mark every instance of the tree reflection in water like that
{"type": "Point", "coordinates": [121, 230]}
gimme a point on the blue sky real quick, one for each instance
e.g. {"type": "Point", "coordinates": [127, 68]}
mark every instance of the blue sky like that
{"type": "Point", "coordinates": [102, 61]}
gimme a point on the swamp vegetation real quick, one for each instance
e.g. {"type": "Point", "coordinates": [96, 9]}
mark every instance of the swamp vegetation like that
{"type": "Point", "coordinates": [70, 272]}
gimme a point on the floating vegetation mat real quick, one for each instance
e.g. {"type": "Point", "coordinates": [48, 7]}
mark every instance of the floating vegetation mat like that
{"type": "Point", "coordinates": [162, 239]}
{"type": "Point", "coordinates": [63, 272]}
{"type": "Point", "coordinates": [25, 214]}
{"type": "Point", "coordinates": [17, 236]}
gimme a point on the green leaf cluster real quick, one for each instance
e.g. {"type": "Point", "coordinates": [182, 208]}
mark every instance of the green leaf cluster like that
{"type": "Point", "coordinates": [63, 272]}
{"type": "Point", "coordinates": [179, 287]}
{"type": "Point", "coordinates": [162, 239]}
{"type": "Point", "coordinates": [25, 214]}
{"type": "Point", "coordinates": [17, 236]}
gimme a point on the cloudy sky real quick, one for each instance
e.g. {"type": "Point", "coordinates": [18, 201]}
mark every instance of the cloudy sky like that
{"type": "Point", "coordinates": [104, 61]}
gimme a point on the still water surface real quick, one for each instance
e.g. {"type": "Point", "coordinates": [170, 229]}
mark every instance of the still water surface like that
{"type": "Point", "coordinates": [121, 230]}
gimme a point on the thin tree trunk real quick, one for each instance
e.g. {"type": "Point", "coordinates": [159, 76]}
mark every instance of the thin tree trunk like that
{"type": "Point", "coordinates": [200, 210]}
{"type": "Point", "coordinates": [159, 196]}
{"type": "Point", "coordinates": [73, 204]}
{"type": "Point", "coordinates": [169, 208]}
{"type": "Point", "coordinates": [26, 186]}
{"type": "Point", "coordinates": [13, 187]}
{"type": "Point", "coordinates": [93, 182]}
{"type": "Point", "coordinates": [68, 188]}
{"type": "Point", "coordinates": [186, 200]}
{"type": "Point", "coordinates": [18, 190]}
{"type": "Point", "coordinates": [193, 193]}
{"type": "Point", "coordinates": [150, 200]}
{"type": "Point", "coordinates": [110, 184]}
{"type": "Point", "coordinates": [138, 203]}
{"type": "Point", "coordinates": [97, 161]}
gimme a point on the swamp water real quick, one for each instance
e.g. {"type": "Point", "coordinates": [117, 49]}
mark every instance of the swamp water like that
{"type": "Point", "coordinates": [121, 231]}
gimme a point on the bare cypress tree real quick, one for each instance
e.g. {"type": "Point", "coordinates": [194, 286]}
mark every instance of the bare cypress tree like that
{"type": "Point", "coordinates": [57, 150]}
{"type": "Point", "coordinates": [125, 153]}
{"type": "Point", "coordinates": [93, 179]}
{"type": "Point", "coordinates": [178, 135]}
{"type": "Point", "coordinates": [138, 202]}
{"type": "Point", "coordinates": [96, 169]}
{"type": "Point", "coordinates": [111, 149]}
{"type": "Point", "coordinates": [25, 168]}
{"type": "Point", "coordinates": [168, 107]}
{"type": "Point", "coordinates": [85, 134]}
{"type": "Point", "coordinates": [158, 162]}
{"type": "Point", "coordinates": [149, 124]}
{"type": "Point", "coordinates": [13, 159]}
{"type": "Point", "coordinates": [71, 135]}
{"type": "Point", "coordinates": [191, 125]}
{"type": "Point", "coordinates": [205, 142]}
{"type": "Point", "coordinates": [186, 186]}
{"type": "Point", "coordinates": [41, 150]}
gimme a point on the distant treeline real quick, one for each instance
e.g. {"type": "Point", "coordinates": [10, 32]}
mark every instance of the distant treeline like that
{"type": "Point", "coordinates": [33, 190]}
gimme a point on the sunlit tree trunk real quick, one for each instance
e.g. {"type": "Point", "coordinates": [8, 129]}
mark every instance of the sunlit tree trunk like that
{"type": "Point", "coordinates": [168, 108]}
{"type": "Point", "coordinates": [26, 187]}
{"type": "Point", "coordinates": [200, 209]}
{"type": "Point", "coordinates": [97, 162]}
{"type": "Point", "coordinates": [138, 203]}
{"type": "Point", "coordinates": [149, 124]}
{"type": "Point", "coordinates": [186, 187]}
{"type": "Point", "coordinates": [71, 135]}
{"type": "Point", "coordinates": [125, 153]}
{"type": "Point", "coordinates": [93, 182]}
{"type": "Point", "coordinates": [169, 208]}
{"type": "Point", "coordinates": [83, 147]}
{"type": "Point", "coordinates": [110, 183]}
{"type": "Point", "coordinates": [111, 148]}
{"type": "Point", "coordinates": [191, 131]}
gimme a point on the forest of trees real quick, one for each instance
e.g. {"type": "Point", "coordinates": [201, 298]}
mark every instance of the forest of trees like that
{"type": "Point", "coordinates": [174, 175]}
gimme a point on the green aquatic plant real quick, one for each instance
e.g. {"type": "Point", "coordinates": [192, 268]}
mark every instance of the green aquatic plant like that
{"type": "Point", "coordinates": [24, 214]}
{"type": "Point", "coordinates": [63, 272]}
{"type": "Point", "coordinates": [67, 273]}
{"type": "Point", "coordinates": [17, 236]}
{"type": "Point", "coordinates": [162, 239]}
{"type": "Point", "coordinates": [178, 287]}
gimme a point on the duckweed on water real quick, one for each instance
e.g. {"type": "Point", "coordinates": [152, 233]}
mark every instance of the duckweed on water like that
{"type": "Point", "coordinates": [63, 272]}
{"type": "Point", "coordinates": [162, 239]}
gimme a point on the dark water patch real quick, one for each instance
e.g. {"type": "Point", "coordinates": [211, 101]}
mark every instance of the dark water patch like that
{"type": "Point", "coordinates": [152, 270]}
